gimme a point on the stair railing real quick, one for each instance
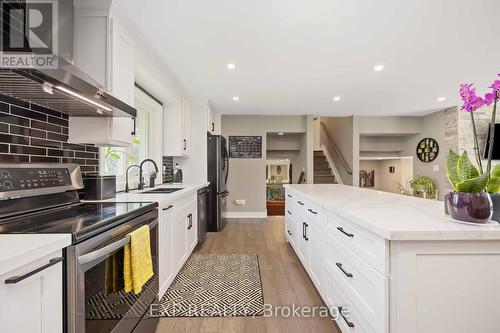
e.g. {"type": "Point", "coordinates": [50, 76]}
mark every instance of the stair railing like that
{"type": "Point", "coordinates": [343, 161]}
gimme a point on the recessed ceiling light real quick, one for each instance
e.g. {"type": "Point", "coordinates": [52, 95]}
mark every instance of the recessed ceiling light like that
{"type": "Point", "coordinates": [440, 99]}
{"type": "Point", "coordinates": [336, 99]}
{"type": "Point", "coordinates": [378, 68]}
{"type": "Point", "coordinates": [231, 66]}
{"type": "Point", "coordinates": [236, 98]}
{"type": "Point", "coordinates": [281, 133]}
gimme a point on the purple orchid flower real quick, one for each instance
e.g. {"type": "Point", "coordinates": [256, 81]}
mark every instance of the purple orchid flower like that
{"type": "Point", "coordinates": [472, 102]}
{"type": "Point", "coordinates": [489, 98]}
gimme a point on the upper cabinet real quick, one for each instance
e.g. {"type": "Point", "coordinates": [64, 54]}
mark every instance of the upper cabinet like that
{"type": "Point", "coordinates": [213, 121]}
{"type": "Point", "coordinates": [177, 128]}
{"type": "Point", "coordinates": [104, 49]}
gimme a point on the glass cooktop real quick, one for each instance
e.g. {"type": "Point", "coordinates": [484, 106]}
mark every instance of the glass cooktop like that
{"type": "Point", "coordinates": [82, 220]}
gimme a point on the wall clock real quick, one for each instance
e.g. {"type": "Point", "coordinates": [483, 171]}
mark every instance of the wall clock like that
{"type": "Point", "coordinates": [427, 150]}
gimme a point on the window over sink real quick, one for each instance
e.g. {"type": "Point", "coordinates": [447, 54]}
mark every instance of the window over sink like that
{"type": "Point", "coordinates": [146, 143]}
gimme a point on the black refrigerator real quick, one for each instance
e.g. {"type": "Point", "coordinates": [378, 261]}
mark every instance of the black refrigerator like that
{"type": "Point", "coordinates": [218, 171]}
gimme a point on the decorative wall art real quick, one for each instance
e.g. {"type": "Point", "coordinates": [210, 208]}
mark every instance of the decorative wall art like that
{"type": "Point", "coordinates": [367, 178]}
{"type": "Point", "coordinates": [427, 150]}
{"type": "Point", "coordinates": [245, 147]}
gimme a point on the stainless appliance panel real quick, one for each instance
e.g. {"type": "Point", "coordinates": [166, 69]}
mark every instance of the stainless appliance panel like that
{"type": "Point", "coordinates": [88, 275]}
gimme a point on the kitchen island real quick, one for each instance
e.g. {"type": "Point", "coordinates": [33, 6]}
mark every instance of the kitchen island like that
{"type": "Point", "coordinates": [393, 263]}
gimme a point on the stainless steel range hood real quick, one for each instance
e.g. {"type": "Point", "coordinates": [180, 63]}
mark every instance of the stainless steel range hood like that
{"type": "Point", "coordinates": [66, 89]}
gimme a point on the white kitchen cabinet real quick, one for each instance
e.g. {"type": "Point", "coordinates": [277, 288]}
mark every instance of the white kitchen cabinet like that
{"type": "Point", "coordinates": [178, 236]}
{"type": "Point", "coordinates": [213, 121]}
{"type": "Point", "coordinates": [177, 128]}
{"type": "Point", "coordinates": [35, 303]}
{"type": "Point", "coordinates": [104, 49]}
{"type": "Point", "coordinates": [165, 246]}
{"type": "Point", "coordinates": [101, 131]}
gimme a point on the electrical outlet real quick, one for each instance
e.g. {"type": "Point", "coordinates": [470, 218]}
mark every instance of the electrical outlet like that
{"type": "Point", "coordinates": [240, 202]}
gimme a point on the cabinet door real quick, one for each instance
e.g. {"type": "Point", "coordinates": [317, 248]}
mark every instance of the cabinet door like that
{"type": "Point", "coordinates": [303, 244]}
{"type": "Point", "coordinates": [122, 63]}
{"type": "Point", "coordinates": [316, 257]}
{"type": "Point", "coordinates": [166, 247]}
{"type": "Point", "coordinates": [186, 128]}
{"type": "Point", "coordinates": [192, 238]}
{"type": "Point", "coordinates": [181, 224]}
{"type": "Point", "coordinates": [34, 304]}
{"type": "Point", "coordinates": [173, 136]}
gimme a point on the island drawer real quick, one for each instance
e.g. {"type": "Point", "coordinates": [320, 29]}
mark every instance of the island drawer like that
{"type": "Point", "coordinates": [368, 246]}
{"type": "Point", "coordinates": [363, 285]}
{"type": "Point", "coordinates": [351, 320]}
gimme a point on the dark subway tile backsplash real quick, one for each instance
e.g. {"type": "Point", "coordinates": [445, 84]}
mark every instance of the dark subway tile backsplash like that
{"type": "Point", "coordinates": [32, 133]}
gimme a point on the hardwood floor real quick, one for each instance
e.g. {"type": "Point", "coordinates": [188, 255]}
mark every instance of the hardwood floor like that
{"type": "Point", "coordinates": [284, 280]}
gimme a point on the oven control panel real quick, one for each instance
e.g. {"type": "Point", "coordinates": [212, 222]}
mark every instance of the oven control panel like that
{"type": "Point", "coordinates": [18, 179]}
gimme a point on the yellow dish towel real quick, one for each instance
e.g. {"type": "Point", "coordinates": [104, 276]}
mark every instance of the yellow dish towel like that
{"type": "Point", "coordinates": [137, 262]}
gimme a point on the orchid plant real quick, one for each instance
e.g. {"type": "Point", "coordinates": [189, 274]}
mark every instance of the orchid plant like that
{"type": "Point", "coordinates": [463, 175]}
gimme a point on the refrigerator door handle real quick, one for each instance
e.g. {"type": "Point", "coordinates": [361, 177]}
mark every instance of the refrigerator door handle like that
{"type": "Point", "coordinates": [224, 194]}
{"type": "Point", "coordinates": [226, 160]}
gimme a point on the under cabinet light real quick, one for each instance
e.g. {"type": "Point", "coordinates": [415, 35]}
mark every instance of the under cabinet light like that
{"type": "Point", "coordinates": [83, 98]}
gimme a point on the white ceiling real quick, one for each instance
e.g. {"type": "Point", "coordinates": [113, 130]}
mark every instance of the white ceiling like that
{"type": "Point", "coordinates": [294, 56]}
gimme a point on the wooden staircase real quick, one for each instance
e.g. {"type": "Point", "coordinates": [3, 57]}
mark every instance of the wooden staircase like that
{"type": "Point", "coordinates": [322, 170]}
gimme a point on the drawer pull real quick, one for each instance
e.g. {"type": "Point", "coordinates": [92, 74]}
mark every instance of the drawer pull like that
{"type": "Point", "coordinates": [289, 232]}
{"type": "Point", "coordinates": [289, 212]}
{"type": "Point", "coordinates": [167, 208]}
{"type": "Point", "coordinates": [345, 233]}
{"type": "Point", "coordinates": [349, 323]}
{"type": "Point", "coordinates": [288, 195]}
{"type": "Point", "coordinates": [339, 265]}
{"type": "Point", "coordinates": [300, 203]}
{"type": "Point", "coordinates": [312, 211]}
{"type": "Point", "coordinates": [305, 231]}
{"type": "Point", "coordinates": [19, 278]}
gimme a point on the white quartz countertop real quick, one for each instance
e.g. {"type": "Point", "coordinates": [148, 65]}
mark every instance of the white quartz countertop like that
{"type": "Point", "coordinates": [393, 216]}
{"type": "Point", "coordinates": [19, 249]}
{"type": "Point", "coordinates": [137, 196]}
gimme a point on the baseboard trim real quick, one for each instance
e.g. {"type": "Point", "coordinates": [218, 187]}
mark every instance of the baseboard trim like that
{"type": "Point", "coordinates": [244, 215]}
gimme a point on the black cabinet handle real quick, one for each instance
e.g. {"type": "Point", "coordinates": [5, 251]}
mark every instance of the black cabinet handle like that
{"type": "Point", "coordinates": [312, 211]}
{"type": "Point", "coordinates": [167, 208]}
{"type": "Point", "coordinates": [19, 278]}
{"type": "Point", "coordinates": [305, 232]}
{"type": "Point", "coordinates": [345, 233]}
{"type": "Point", "coordinates": [135, 126]}
{"type": "Point", "coordinates": [190, 221]}
{"type": "Point", "coordinates": [185, 144]}
{"type": "Point", "coordinates": [349, 323]}
{"type": "Point", "coordinates": [289, 232]}
{"type": "Point", "coordinates": [339, 265]}
{"type": "Point", "coordinates": [288, 195]}
{"type": "Point", "coordinates": [300, 203]}
{"type": "Point", "coordinates": [213, 127]}
{"type": "Point", "coordinates": [289, 212]}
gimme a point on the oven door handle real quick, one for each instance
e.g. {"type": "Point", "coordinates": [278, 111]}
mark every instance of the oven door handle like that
{"type": "Point", "coordinates": [103, 251]}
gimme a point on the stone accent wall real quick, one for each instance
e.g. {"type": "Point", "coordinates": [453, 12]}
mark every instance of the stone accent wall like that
{"type": "Point", "coordinates": [459, 134]}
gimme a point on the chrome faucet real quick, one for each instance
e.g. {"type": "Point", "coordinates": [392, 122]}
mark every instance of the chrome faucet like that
{"type": "Point", "coordinates": [141, 178]}
{"type": "Point", "coordinates": [127, 189]}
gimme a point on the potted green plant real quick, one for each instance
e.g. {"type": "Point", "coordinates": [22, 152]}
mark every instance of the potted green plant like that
{"type": "Point", "coordinates": [471, 200]}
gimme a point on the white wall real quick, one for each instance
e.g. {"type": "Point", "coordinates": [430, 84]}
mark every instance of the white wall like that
{"type": "Point", "coordinates": [384, 180]}
{"type": "Point", "coordinates": [247, 177]}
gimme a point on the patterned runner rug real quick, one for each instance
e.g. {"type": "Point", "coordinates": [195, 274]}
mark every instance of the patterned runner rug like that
{"type": "Point", "coordinates": [215, 285]}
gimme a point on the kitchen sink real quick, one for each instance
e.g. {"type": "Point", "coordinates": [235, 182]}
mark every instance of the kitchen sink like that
{"type": "Point", "coordinates": [163, 190]}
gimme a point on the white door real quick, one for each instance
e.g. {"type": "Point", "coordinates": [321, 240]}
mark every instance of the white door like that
{"type": "Point", "coordinates": [192, 237]}
{"type": "Point", "coordinates": [122, 63]}
{"type": "Point", "coordinates": [316, 257]}
{"type": "Point", "coordinates": [181, 225]}
{"type": "Point", "coordinates": [186, 127]}
{"type": "Point", "coordinates": [35, 304]}
{"type": "Point", "coordinates": [166, 247]}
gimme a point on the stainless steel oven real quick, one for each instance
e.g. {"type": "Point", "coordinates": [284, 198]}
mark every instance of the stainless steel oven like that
{"type": "Point", "coordinates": [96, 300]}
